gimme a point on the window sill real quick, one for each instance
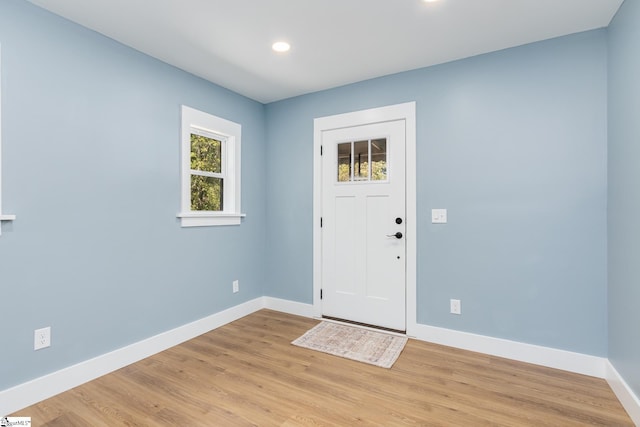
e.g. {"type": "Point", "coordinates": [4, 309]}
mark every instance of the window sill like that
{"type": "Point", "coordinates": [207, 219]}
{"type": "Point", "coordinates": [7, 217]}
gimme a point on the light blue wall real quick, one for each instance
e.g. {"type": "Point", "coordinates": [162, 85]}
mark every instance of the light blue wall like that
{"type": "Point", "coordinates": [514, 145]}
{"type": "Point", "coordinates": [91, 169]}
{"type": "Point", "coordinates": [624, 193]}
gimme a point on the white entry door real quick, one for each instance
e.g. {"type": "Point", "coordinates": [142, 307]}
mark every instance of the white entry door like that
{"type": "Point", "coordinates": [364, 224]}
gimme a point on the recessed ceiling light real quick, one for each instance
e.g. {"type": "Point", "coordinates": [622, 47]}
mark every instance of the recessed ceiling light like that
{"type": "Point", "coordinates": [281, 46]}
{"type": "Point", "coordinates": [430, 1]}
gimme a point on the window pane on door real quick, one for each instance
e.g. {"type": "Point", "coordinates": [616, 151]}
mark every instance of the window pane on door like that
{"type": "Point", "coordinates": [361, 160]}
{"type": "Point", "coordinates": [206, 193]}
{"type": "Point", "coordinates": [379, 159]}
{"type": "Point", "coordinates": [206, 154]}
{"type": "Point", "coordinates": [344, 162]}
{"type": "Point", "coordinates": [364, 160]}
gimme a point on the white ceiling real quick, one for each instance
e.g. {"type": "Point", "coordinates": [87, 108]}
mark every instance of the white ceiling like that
{"type": "Point", "coordinates": [334, 42]}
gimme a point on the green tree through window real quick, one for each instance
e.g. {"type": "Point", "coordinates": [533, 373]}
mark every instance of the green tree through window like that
{"type": "Point", "coordinates": [210, 170]}
{"type": "Point", "coordinates": [207, 180]}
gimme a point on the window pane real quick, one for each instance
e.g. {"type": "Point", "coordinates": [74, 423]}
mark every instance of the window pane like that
{"type": "Point", "coordinates": [379, 159]}
{"type": "Point", "coordinates": [206, 193]}
{"type": "Point", "coordinates": [361, 161]}
{"type": "Point", "coordinates": [344, 162]}
{"type": "Point", "coordinates": [206, 154]}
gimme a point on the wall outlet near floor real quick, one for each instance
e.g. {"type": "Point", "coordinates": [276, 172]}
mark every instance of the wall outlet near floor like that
{"type": "Point", "coordinates": [455, 306]}
{"type": "Point", "coordinates": [42, 338]}
{"type": "Point", "coordinates": [236, 286]}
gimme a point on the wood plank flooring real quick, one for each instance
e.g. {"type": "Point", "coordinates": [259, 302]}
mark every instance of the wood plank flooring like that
{"type": "Point", "coordinates": [247, 373]}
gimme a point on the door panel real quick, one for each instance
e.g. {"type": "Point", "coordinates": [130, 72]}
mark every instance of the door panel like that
{"type": "Point", "coordinates": [363, 192]}
{"type": "Point", "coordinates": [345, 248]}
{"type": "Point", "coordinates": [379, 273]}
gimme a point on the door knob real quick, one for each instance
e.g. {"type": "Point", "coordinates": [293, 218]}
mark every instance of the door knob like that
{"type": "Point", "coordinates": [398, 235]}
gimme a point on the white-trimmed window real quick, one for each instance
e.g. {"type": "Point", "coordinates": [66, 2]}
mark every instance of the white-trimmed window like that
{"type": "Point", "coordinates": [210, 169]}
{"type": "Point", "coordinates": [3, 217]}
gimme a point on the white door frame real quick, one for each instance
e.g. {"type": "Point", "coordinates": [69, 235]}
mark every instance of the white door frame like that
{"type": "Point", "coordinates": [406, 112]}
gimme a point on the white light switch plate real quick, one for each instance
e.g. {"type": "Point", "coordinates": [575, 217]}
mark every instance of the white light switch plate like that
{"type": "Point", "coordinates": [438, 216]}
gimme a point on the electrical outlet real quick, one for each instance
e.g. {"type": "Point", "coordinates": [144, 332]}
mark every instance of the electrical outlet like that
{"type": "Point", "coordinates": [455, 306]}
{"type": "Point", "coordinates": [236, 286]}
{"type": "Point", "coordinates": [42, 338]}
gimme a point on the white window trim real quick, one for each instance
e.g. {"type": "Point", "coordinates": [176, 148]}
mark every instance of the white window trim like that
{"type": "Point", "coordinates": [193, 119]}
{"type": "Point", "coordinates": [3, 217]}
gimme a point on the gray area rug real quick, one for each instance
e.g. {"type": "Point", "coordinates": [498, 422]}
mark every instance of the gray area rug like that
{"type": "Point", "coordinates": [376, 348]}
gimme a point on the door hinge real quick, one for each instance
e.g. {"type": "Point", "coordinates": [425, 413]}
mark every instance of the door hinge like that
{"type": "Point", "coordinates": [320, 222]}
{"type": "Point", "coordinates": [321, 150]}
{"type": "Point", "coordinates": [320, 293]}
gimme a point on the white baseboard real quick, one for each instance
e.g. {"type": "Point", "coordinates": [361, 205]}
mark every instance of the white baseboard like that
{"type": "Point", "coordinates": [31, 392]}
{"type": "Point", "coordinates": [549, 357]}
{"type": "Point", "coordinates": [625, 395]}
{"type": "Point", "coordinates": [290, 307]}
{"type": "Point", "coordinates": [538, 355]}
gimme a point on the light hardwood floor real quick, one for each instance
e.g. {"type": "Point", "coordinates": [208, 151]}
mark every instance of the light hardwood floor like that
{"type": "Point", "coordinates": [248, 373]}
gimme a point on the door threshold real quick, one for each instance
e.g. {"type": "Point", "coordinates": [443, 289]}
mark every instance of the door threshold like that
{"type": "Point", "coordinates": [364, 325]}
